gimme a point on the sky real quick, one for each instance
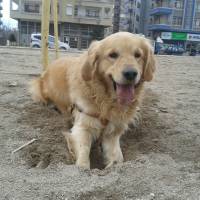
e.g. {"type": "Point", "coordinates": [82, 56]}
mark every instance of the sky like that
{"type": "Point", "coordinates": [6, 15]}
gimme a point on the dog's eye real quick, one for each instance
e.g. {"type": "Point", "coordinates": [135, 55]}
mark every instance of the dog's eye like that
{"type": "Point", "coordinates": [114, 55]}
{"type": "Point", "coordinates": [137, 54]}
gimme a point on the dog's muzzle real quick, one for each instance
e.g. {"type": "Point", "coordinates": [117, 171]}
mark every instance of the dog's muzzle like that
{"type": "Point", "coordinates": [125, 91]}
{"type": "Point", "coordinates": [130, 74]}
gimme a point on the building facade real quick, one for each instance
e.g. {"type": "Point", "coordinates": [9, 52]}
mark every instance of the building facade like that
{"type": "Point", "coordinates": [130, 16]}
{"type": "Point", "coordinates": [1, 15]}
{"type": "Point", "coordinates": [1, 31]}
{"type": "Point", "coordinates": [175, 21]}
{"type": "Point", "coordinates": [79, 21]}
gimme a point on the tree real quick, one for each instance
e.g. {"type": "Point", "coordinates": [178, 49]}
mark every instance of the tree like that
{"type": "Point", "coordinates": [12, 38]}
{"type": "Point", "coordinates": [7, 33]}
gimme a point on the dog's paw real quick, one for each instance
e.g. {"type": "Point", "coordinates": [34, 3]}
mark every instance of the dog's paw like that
{"type": "Point", "coordinates": [67, 136]}
{"type": "Point", "coordinates": [83, 164]}
{"type": "Point", "coordinates": [118, 158]}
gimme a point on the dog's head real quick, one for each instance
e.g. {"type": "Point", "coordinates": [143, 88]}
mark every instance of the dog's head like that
{"type": "Point", "coordinates": [123, 60]}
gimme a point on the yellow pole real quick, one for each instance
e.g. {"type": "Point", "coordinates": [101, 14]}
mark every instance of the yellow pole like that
{"type": "Point", "coordinates": [45, 32]}
{"type": "Point", "coordinates": [55, 14]}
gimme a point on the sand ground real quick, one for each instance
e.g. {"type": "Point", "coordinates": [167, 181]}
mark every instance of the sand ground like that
{"type": "Point", "coordinates": [162, 155]}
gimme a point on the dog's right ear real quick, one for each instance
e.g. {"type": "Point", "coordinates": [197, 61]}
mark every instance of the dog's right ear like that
{"type": "Point", "coordinates": [91, 61]}
{"type": "Point", "coordinates": [149, 66]}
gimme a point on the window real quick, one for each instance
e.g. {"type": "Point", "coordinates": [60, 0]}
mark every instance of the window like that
{"type": "Point", "coordinates": [76, 11]}
{"type": "Point", "coordinates": [177, 21]}
{"type": "Point", "coordinates": [198, 7]}
{"type": "Point", "coordinates": [31, 28]}
{"type": "Point", "coordinates": [92, 12]}
{"type": "Point", "coordinates": [31, 7]}
{"type": "Point", "coordinates": [130, 10]}
{"type": "Point", "coordinates": [38, 28]}
{"type": "Point", "coordinates": [137, 18]}
{"type": "Point", "coordinates": [84, 30]}
{"type": "Point", "coordinates": [138, 5]}
{"type": "Point", "coordinates": [178, 4]}
{"type": "Point", "coordinates": [151, 21]}
{"type": "Point", "coordinates": [69, 10]}
{"type": "Point", "coordinates": [24, 29]}
{"type": "Point", "coordinates": [174, 20]}
{"type": "Point", "coordinates": [107, 12]}
{"type": "Point", "coordinates": [197, 22]}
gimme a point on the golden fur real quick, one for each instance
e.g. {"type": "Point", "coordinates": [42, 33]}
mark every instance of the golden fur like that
{"type": "Point", "coordinates": [87, 83]}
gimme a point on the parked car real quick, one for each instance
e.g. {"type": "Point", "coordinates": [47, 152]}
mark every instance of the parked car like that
{"type": "Point", "coordinates": [193, 52]}
{"type": "Point", "coordinates": [171, 49]}
{"type": "Point", "coordinates": [36, 42]}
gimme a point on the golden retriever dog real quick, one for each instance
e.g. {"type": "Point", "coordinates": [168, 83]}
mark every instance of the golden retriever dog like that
{"type": "Point", "coordinates": [103, 86]}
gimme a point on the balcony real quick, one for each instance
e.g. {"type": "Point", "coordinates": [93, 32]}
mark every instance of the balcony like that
{"type": "Point", "coordinates": [161, 11]}
{"type": "Point", "coordinates": [87, 20]}
{"type": "Point", "coordinates": [160, 27]}
{"type": "Point", "coordinates": [94, 3]}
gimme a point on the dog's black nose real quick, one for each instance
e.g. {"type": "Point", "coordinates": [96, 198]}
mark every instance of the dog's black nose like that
{"type": "Point", "coordinates": [130, 74]}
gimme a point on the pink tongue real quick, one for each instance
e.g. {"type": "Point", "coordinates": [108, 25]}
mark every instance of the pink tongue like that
{"type": "Point", "coordinates": [125, 94]}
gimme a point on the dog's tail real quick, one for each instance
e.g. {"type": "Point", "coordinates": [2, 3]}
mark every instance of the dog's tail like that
{"type": "Point", "coordinates": [36, 90]}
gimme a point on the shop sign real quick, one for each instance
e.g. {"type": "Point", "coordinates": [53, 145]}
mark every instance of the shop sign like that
{"type": "Point", "coordinates": [179, 36]}
{"type": "Point", "coordinates": [166, 35]}
{"type": "Point", "coordinates": [193, 37]}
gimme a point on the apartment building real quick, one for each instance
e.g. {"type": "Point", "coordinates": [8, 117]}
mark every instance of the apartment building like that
{"type": "Point", "coordinates": [79, 21]}
{"type": "Point", "coordinates": [1, 15]}
{"type": "Point", "coordinates": [1, 32]}
{"type": "Point", "coordinates": [175, 21]}
{"type": "Point", "coordinates": [130, 16]}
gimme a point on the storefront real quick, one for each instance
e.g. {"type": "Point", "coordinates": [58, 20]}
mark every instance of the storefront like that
{"type": "Point", "coordinates": [174, 38]}
{"type": "Point", "coordinates": [184, 40]}
{"type": "Point", "coordinates": [193, 42]}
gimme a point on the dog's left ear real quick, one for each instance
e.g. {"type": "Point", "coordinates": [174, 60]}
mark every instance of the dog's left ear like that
{"type": "Point", "coordinates": [149, 64]}
{"type": "Point", "coordinates": [91, 61]}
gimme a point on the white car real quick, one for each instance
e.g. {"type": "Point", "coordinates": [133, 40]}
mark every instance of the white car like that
{"type": "Point", "coordinates": [36, 42]}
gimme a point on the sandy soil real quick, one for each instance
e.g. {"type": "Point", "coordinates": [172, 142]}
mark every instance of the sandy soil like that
{"type": "Point", "coordinates": [162, 153]}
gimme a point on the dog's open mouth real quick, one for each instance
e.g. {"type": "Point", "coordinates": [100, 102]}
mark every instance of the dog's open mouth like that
{"type": "Point", "coordinates": [125, 92]}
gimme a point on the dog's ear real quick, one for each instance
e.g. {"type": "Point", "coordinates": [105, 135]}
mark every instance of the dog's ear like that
{"type": "Point", "coordinates": [150, 62]}
{"type": "Point", "coordinates": [91, 61]}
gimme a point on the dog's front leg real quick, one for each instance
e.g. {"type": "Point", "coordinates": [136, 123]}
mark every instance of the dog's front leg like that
{"type": "Point", "coordinates": [111, 149]}
{"type": "Point", "coordinates": [85, 130]}
{"type": "Point", "coordinates": [79, 143]}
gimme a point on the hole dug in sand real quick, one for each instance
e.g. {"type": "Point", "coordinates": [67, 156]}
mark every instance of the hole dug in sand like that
{"type": "Point", "coordinates": [51, 146]}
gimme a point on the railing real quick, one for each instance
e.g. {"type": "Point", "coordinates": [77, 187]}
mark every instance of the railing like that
{"type": "Point", "coordinates": [87, 17]}
{"type": "Point", "coordinates": [95, 1]}
{"type": "Point", "coordinates": [159, 27]}
{"type": "Point", "coordinates": [161, 10]}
